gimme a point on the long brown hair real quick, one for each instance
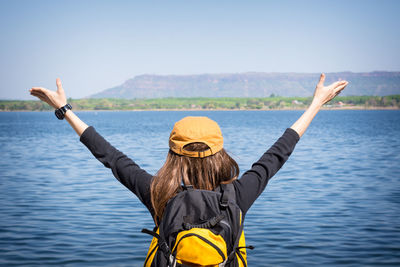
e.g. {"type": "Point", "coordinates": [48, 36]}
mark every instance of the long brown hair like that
{"type": "Point", "coordinates": [202, 173]}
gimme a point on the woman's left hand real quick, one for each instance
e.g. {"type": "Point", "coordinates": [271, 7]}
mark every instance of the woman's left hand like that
{"type": "Point", "coordinates": [56, 99]}
{"type": "Point", "coordinates": [324, 94]}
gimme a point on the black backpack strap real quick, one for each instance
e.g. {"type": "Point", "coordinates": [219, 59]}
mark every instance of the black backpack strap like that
{"type": "Point", "coordinates": [227, 193]}
{"type": "Point", "coordinates": [187, 225]}
{"type": "Point", "coordinates": [162, 244]}
{"type": "Point", "coordinates": [153, 233]}
{"type": "Point", "coordinates": [236, 245]}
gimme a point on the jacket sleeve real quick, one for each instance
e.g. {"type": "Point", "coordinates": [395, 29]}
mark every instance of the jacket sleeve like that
{"type": "Point", "coordinates": [124, 169]}
{"type": "Point", "coordinates": [253, 182]}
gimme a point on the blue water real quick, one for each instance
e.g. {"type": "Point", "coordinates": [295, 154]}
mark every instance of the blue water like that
{"type": "Point", "coordinates": [335, 202]}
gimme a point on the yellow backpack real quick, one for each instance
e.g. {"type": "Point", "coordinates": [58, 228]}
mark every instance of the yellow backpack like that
{"type": "Point", "coordinates": [199, 228]}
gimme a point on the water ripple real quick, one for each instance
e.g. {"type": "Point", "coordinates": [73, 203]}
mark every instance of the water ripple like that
{"type": "Point", "coordinates": [335, 202]}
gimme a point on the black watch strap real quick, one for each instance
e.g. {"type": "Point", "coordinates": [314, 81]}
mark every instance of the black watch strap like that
{"type": "Point", "coordinates": [60, 112]}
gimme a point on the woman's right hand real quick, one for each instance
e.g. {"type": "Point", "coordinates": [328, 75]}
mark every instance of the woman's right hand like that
{"type": "Point", "coordinates": [324, 94]}
{"type": "Point", "coordinates": [55, 99]}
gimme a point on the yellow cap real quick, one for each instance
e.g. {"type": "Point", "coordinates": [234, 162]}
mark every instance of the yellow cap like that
{"type": "Point", "coordinates": [196, 129]}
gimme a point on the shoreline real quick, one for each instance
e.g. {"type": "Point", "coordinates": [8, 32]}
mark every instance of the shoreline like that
{"type": "Point", "coordinates": [208, 104]}
{"type": "Point", "coordinates": [277, 109]}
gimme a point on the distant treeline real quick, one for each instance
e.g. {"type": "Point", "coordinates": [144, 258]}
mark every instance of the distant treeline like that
{"type": "Point", "coordinates": [264, 103]}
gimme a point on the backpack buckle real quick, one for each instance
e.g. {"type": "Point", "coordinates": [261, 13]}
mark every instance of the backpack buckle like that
{"type": "Point", "coordinates": [163, 246]}
{"type": "Point", "coordinates": [187, 187]}
{"type": "Point", "coordinates": [224, 197]}
{"type": "Point", "coordinates": [224, 203]}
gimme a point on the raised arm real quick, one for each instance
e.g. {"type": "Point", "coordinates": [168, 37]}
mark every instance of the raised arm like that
{"type": "Point", "coordinates": [124, 169]}
{"type": "Point", "coordinates": [253, 182]}
{"type": "Point", "coordinates": [57, 99]}
{"type": "Point", "coordinates": [322, 95]}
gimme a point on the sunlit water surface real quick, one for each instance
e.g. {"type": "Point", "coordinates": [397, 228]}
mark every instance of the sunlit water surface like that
{"type": "Point", "coordinates": [335, 202]}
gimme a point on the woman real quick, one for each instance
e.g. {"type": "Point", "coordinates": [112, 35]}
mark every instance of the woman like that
{"type": "Point", "coordinates": [196, 156]}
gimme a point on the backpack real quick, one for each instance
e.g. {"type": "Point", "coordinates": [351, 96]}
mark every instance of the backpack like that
{"type": "Point", "coordinates": [199, 228]}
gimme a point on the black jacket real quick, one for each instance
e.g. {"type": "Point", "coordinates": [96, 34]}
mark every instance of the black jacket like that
{"type": "Point", "coordinates": [250, 185]}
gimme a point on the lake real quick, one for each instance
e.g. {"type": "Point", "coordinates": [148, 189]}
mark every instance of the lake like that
{"type": "Point", "coordinates": [335, 202]}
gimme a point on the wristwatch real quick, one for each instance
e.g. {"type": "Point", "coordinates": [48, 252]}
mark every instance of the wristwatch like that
{"type": "Point", "coordinates": [60, 112]}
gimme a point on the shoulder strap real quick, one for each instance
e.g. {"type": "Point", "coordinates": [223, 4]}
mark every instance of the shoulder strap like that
{"type": "Point", "coordinates": [227, 193]}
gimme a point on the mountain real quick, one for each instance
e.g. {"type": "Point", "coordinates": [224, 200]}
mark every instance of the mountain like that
{"type": "Point", "coordinates": [250, 84]}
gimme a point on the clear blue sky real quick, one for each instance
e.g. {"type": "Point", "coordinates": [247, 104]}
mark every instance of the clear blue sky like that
{"type": "Point", "coordinates": [95, 45]}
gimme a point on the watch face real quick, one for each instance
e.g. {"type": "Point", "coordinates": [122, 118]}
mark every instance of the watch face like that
{"type": "Point", "coordinates": [61, 111]}
{"type": "Point", "coordinates": [59, 114]}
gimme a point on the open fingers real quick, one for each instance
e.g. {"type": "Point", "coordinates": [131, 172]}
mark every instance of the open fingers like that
{"type": "Point", "coordinates": [336, 84]}
{"type": "Point", "coordinates": [40, 96]}
{"type": "Point", "coordinates": [37, 93]}
{"type": "Point", "coordinates": [40, 89]}
{"type": "Point", "coordinates": [340, 87]}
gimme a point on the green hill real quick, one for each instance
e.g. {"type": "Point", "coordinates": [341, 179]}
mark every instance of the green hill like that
{"type": "Point", "coordinates": [251, 84]}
